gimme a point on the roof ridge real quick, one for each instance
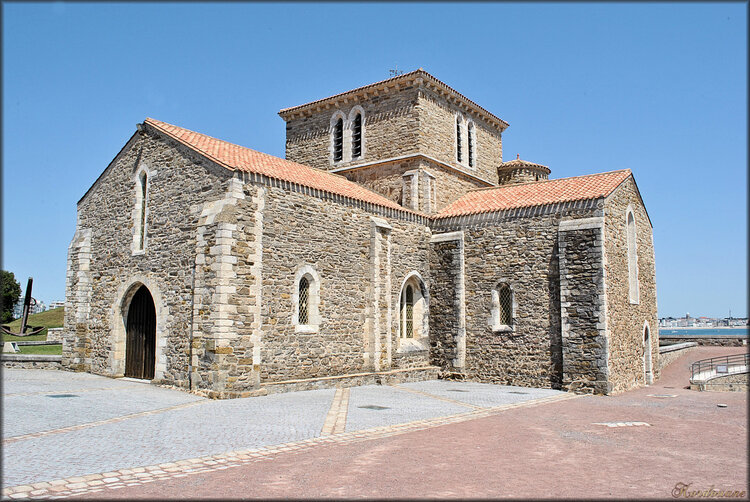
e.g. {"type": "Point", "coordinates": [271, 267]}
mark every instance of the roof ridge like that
{"type": "Point", "coordinates": [548, 180]}
{"type": "Point", "coordinates": [402, 76]}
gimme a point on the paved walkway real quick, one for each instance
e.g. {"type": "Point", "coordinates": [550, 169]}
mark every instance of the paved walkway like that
{"type": "Point", "coordinates": [74, 433]}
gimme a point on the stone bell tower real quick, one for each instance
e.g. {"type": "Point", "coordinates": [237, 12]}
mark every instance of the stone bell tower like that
{"type": "Point", "coordinates": [521, 171]}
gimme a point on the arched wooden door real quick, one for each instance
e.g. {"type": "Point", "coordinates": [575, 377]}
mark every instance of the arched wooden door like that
{"type": "Point", "coordinates": [140, 348]}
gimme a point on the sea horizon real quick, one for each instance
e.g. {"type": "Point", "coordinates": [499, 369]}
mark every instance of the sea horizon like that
{"type": "Point", "coordinates": [715, 331]}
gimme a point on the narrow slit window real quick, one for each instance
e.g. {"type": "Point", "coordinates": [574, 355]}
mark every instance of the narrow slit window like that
{"type": "Point", "coordinates": [357, 137]}
{"type": "Point", "coordinates": [459, 155]}
{"type": "Point", "coordinates": [338, 140]}
{"type": "Point", "coordinates": [142, 223]}
{"type": "Point", "coordinates": [632, 259]}
{"type": "Point", "coordinates": [304, 295]}
{"type": "Point", "coordinates": [505, 297]}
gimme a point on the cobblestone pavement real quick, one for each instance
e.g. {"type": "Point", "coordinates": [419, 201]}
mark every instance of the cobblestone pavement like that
{"type": "Point", "coordinates": [668, 442]}
{"type": "Point", "coordinates": [72, 433]}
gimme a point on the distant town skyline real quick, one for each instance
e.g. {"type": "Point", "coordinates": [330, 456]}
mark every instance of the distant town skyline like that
{"type": "Point", "coordinates": [659, 88]}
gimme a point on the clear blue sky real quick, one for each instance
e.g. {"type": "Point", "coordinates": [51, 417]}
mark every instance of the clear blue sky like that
{"type": "Point", "coordinates": [657, 88]}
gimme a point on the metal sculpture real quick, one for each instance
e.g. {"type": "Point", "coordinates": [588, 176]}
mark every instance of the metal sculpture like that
{"type": "Point", "coordinates": [28, 302]}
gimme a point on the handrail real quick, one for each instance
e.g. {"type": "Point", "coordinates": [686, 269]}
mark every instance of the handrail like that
{"type": "Point", "coordinates": [709, 364]}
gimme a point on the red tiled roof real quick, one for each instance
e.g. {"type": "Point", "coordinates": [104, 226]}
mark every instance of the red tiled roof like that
{"type": "Point", "coordinates": [538, 193]}
{"type": "Point", "coordinates": [235, 157]}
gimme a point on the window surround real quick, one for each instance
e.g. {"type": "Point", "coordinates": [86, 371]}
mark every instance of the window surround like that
{"type": "Point", "coordinates": [648, 370]}
{"type": "Point", "coordinates": [420, 341]}
{"type": "Point", "coordinates": [347, 136]}
{"type": "Point", "coordinates": [471, 143]}
{"type": "Point", "coordinates": [495, 322]}
{"type": "Point", "coordinates": [350, 126]}
{"type": "Point", "coordinates": [631, 233]}
{"type": "Point", "coordinates": [141, 211]}
{"type": "Point", "coordinates": [313, 300]}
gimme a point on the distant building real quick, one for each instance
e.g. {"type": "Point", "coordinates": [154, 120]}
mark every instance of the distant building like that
{"type": "Point", "coordinates": [56, 304]}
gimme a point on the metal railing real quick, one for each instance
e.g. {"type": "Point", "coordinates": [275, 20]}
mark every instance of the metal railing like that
{"type": "Point", "coordinates": [719, 363]}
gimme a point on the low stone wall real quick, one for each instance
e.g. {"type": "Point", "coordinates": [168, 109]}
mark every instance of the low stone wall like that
{"type": "Point", "coordinates": [28, 361]}
{"type": "Point", "coordinates": [728, 383]}
{"type": "Point", "coordinates": [54, 334]}
{"type": "Point", "coordinates": [718, 340]}
{"type": "Point", "coordinates": [668, 353]}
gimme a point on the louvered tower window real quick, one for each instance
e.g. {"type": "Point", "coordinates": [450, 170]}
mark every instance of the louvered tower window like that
{"type": "Point", "coordinates": [357, 136]}
{"type": "Point", "coordinates": [471, 145]}
{"type": "Point", "coordinates": [459, 155]}
{"type": "Point", "coordinates": [409, 314]}
{"type": "Point", "coordinates": [304, 295]}
{"type": "Point", "coordinates": [338, 140]}
{"type": "Point", "coordinates": [506, 305]}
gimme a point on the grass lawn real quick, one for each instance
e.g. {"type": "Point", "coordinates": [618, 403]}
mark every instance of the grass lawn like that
{"type": "Point", "coordinates": [51, 350]}
{"type": "Point", "coordinates": [49, 319]}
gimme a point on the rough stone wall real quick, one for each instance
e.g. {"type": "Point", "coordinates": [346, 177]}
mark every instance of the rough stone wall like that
{"type": "Point", "coordinates": [521, 252]}
{"type": "Point", "coordinates": [226, 291]}
{"type": "Point", "coordinates": [338, 242]}
{"type": "Point", "coordinates": [390, 130]}
{"type": "Point", "coordinates": [437, 136]}
{"type": "Point", "coordinates": [625, 320]}
{"type": "Point", "coordinates": [445, 308]}
{"type": "Point", "coordinates": [668, 357]}
{"type": "Point", "coordinates": [583, 306]}
{"type": "Point", "coordinates": [179, 183]}
{"type": "Point", "coordinates": [389, 181]}
{"type": "Point", "coordinates": [725, 341]}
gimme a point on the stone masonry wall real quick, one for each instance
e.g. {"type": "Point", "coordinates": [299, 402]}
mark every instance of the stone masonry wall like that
{"type": "Point", "coordinates": [626, 321]}
{"type": "Point", "coordinates": [519, 251]}
{"type": "Point", "coordinates": [390, 130]}
{"type": "Point", "coordinates": [583, 306]}
{"type": "Point", "coordinates": [179, 183]}
{"type": "Point", "coordinates": [437, 137]}
{"type": "Point", "coordinates": [445, 273]}
{"type": "Point", "coordinates": [389, 181]}
{"type": "Point", "coordinates": [337, 242]}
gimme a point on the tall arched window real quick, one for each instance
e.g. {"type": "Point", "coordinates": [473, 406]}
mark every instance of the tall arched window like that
{"type": "Point", "coordinates": [647, 365]}
{"type": "Point", "coordinates": [459, 153]}
{"type": "Point", "coordinates": [501, 318]}
{"type": "Point", "coordinates": [357, 136]}
{"type": "Point", "coordinates": [409, 312]}
{"type": "Point", "coordinates": [338, 140]}
{"type": "Point", "coordinates": [306, 300]}
{"type": "Point", "coordinates": [632, 258]}
{"type": "Point", "coordinates": [304, 296]}
{"type": "Point", "coordinates": [140, 211]}
{"type": "Point", "coordinates": [470, 144]}
{"type": "Point", "coordinates": [144, 188]}
{"type": "Point", "coordinates": [413, 314]}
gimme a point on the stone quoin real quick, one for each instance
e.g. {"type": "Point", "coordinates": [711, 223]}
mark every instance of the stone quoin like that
{"type": "Point", "coordinates": [392, 244]}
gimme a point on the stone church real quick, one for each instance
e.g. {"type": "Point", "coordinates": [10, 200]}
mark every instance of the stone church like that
{"type": "Point", "coordinates": [392, 244]}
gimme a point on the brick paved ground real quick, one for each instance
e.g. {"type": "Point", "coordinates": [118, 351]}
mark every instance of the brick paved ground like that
{"type": "Point", "coordinates": [480, 443]}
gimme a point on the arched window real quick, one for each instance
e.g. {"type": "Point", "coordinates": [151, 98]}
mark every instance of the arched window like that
{"type": "Point", "coordinates": [413, 314]}
{"type": "Point", "coordinates": [632, 258]}
{"type": "Point", "coordinates": [357, 136]}
{"type": "Point", "coordinates": [501, 318]}
{"type": "Point", "coordinates": [409, 312]}
{"type": "Point", "coordinates": [140, 211]}
{"type": "Point", "coordinates": [338, 140]}
{"type": "Point", "coordinates": [304, 296]}
{"type": "Point", "coordinates": [470, 144]}
{"type": "Point", "coordinates": [459, 155]}
{"type": "Point", "coordinates": [647, 365]}
{"type": "Point", "coordinates": [306, 300]}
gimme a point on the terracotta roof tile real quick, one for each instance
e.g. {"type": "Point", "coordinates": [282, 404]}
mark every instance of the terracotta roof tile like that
{"type": "Point", "coordinates": [235, 157]}
{"type": "Point", "coordinates": [538, 193]}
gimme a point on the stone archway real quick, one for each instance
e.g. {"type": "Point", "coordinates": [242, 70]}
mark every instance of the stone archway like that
{"type": "Point", "coordinates": [140, 342]}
